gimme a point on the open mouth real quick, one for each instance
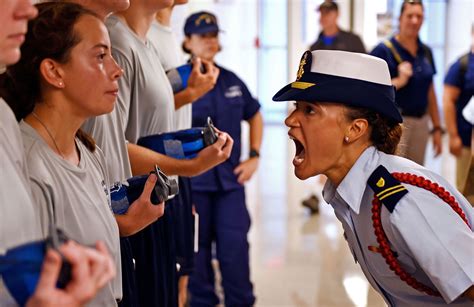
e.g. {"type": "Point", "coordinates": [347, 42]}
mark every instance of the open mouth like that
{"type": "Point", "coordinates": [300, 152]}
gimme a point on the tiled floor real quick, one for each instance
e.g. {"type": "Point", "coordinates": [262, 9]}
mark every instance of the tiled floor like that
{"type": "Point", "coordinates": [298, 259]}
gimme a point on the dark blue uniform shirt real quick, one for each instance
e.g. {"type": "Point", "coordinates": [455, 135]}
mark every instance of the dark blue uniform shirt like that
{"type": "Point", "coordinates": [228, 103]}
{"type": "Point", "coordinates": [412, 99]}
{"type": "Point", "coordinates": [465, 83]}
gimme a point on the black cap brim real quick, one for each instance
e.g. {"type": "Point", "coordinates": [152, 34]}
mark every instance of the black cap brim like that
{"type": "Point", "coordinates": [351, 92]}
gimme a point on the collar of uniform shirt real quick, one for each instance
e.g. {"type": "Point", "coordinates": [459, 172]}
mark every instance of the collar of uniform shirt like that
{"type": "Point", "coordinates": [353, 186]}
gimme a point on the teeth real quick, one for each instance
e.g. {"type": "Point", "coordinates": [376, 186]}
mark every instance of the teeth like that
{"type": "Point", "coordinates": [291, 138]}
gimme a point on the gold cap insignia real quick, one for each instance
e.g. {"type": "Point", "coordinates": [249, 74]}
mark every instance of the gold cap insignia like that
{"type": "Point", "coordinates": [206, 18]}
{"type": "Point", "coordinates": [300, 72]}
{"type": "Point", "coordinates": [380, 183]}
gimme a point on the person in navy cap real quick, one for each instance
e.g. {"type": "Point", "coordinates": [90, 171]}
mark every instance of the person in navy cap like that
{"type": "Point", "coordinates": [332, 37]}
{"type": "Point", "coordinates": [219, 194]}
{"type": "Point", "coordinates": [407, 227]}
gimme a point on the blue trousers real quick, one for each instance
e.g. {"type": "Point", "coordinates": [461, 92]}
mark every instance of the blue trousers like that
{"type": "Point", "coordinates": [154, 252]}
{"type": "Point", "coordinates": [223, 219]}
{"type": "Point", "coordinates": [129, 284]}
{"type": "Point", "coordinates": [184, 227]}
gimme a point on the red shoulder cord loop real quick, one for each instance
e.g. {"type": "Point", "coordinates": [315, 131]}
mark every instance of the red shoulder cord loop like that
{"type": "Point", "coordinates": [382, 238]}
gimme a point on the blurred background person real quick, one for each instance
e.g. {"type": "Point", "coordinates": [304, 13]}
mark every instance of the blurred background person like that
{"type": "Point", "coordinates": [332, 37]}
{"type": "Point", "coordinates": [458, 91]}
{"type": "Point", "coordinates": [199, 83]}
{"type": "Point", "coordinates": [412, 69]}
{"type": "Point", "coordinates": [147, 107]}
{"type": "Point", "coordinates": [219, 194]}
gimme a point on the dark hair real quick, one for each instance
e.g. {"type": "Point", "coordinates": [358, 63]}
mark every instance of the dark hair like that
{"type": "Point", "coordinates": [183, 46]}
{"type": "Point", "coordinates": [385, 134]}
{"type": "Point", "coordinates": [410, 2]}
{"type": "Point", "coordinates": [50, 35]}
{"type": "Point", "coordinates": [328, 5]}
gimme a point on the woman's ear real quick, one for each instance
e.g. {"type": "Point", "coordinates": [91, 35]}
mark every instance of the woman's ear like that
{"type": "Point", "coordinates": [52, 73]}
{"type": "Point", "coordinates": [357, 129]}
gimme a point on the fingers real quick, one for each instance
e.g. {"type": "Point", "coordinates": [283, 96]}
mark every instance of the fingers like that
{"type": "Point", "coordinates": [207, 66]}
{"type": "Point", "coordinates": [74, 255]}
{"type": "Point", "coordinates": [197, 62]}
{"type": "Point", "coordinates": [148, 189]}
{"type": "Point", "coordinates": [110, 268]}
{"type": "Point", "coordinates": [243, 177]}
{"type": "Point", "coordinates": [238, 169]}
{"type": "Point", "coordinates": [221, 141]}
{"type": "Point", "coordinates": [91, 270]}
{"type": "Point", "coordinates": [227, 149]}
{"type": "Point", "coordinates": [49, 271]}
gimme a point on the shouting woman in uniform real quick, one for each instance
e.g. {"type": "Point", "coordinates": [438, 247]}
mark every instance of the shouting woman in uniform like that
{"type": "Point", "coordinates": [408, 228]}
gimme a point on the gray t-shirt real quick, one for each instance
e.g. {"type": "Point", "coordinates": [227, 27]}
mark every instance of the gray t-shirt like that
{"type": "Point", "coordinates": [169, 52]}
{"type": "Point", "coordinates": [145, 97]}
{"type": "Point", "coordinates": [78, 199]}
{"type": "Point", "coordinates": [18, 221]}
{"type": "Point", "coordinates": [108, 132]}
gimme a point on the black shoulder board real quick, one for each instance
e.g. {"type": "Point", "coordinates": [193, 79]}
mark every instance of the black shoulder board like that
{"type": "Point", "coordinates": [387, 189]}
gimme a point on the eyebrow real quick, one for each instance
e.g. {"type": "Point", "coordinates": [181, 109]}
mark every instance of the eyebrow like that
{"type": "Point", "coordinates": [101, 45]}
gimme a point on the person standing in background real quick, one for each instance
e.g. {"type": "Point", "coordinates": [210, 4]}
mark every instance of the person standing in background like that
{"type": "Point", "coordinates": [412, 69]}
{"type": "Point", "coordinates": [219, 194]}
{"type": "Point", "coordinates": [146, 105]}
{"type": "Point", "coordinates": [458, 90]}
{"type": "Point", "coordinates": [199, 83]}
{"type": "Point", "coordinates": [332, 37]}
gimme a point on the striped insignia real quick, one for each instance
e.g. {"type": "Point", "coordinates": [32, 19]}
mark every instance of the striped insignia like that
{"type": "Point", "coordinates": [387, 189]}
{"type": "Point", "coordinates": [302, 85]}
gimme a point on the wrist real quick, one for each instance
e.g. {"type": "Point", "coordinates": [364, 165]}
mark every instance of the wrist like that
{"type": "Point", "coordinates": [254, 153]}
{"type": "Point", "coordinates": [437, 129]}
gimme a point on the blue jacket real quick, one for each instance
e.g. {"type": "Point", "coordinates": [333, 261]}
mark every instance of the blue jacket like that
{"type": "Point", "coordinates": [466, 84]}
{"type": "Point", "coordinates": [228, 103]}
{"type": "Point", "coordinates": [412, 99]}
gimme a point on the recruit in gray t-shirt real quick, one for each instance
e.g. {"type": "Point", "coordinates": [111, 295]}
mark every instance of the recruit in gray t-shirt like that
{"type": "Point", "coordinates": [107, 130]}
{"type": "Point", "coordinates": [18, 222]}
{"type": "Point", "coordinates": [169, 52]}
{"type": "Point", "coordinates": [78, 199]}
{"type": "Point", "coordinates": [145, 94]}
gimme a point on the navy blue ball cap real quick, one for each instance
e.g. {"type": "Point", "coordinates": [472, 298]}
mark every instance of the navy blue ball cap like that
{"type": "Point", "coordinates": [353, 79]}
{"type": "Point", "coordinates": [201, 23]}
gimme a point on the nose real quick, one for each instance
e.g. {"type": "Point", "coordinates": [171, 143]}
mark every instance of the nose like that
{"type": "Point", "coordinates": [25, 10]}
{"type": "Point", "coordinates": [291, 121]}
{"type": "Point", "coordinates": [117, 71]}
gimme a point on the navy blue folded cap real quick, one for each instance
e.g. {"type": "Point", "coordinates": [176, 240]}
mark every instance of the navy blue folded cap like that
{"type": "Point", "coordinates": [353, 79]}
{"type": "Point", "coordinates": [201, 23]}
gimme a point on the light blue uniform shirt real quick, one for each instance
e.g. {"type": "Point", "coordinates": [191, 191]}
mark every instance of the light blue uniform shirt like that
{"type": "Point", "coordinates": [433, 243]}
